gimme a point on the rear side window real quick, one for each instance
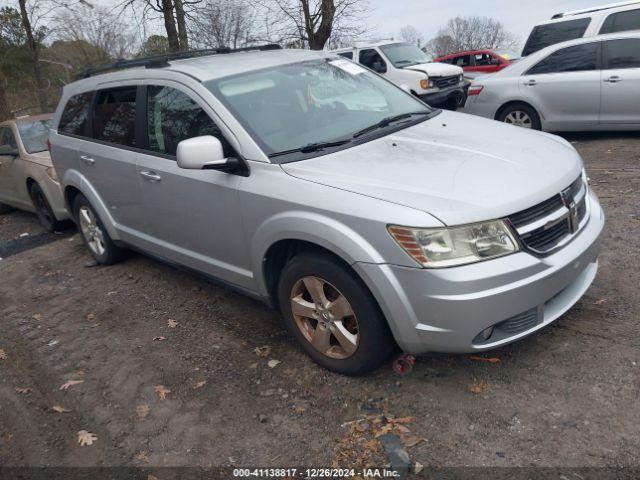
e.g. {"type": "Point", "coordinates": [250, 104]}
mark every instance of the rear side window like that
{"type": "Point", "coordinates": [114, 116]}
{"type": "Point", "coordinates": [571, 59]}
{"type": "Point", "coordinates": [543, 36]}
{"type": "Point", "coordinates": [623, 53]}
{"type": "Point", "coordinates": [172, 116]}
{"type": "Point", "coordinates": [74, 116]}
{"type": "Point", "coordinates": [622, 22]}
{"type": "Point", "coordinates": [463, 61]}
{"type": "Point", "coordinates": [348, 55]}
{"type": "Point", "coordinates": [7, 138]}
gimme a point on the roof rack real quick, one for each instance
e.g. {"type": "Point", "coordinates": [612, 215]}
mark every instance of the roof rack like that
{"type": "Point", "coordinates": [162, 60]}
{"type": "Point", "coordinates": [594, 9]}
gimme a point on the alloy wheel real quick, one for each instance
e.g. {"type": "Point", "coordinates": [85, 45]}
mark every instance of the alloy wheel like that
{"type": "Point", "coordinates": [325, 317]}
{"type": "Point", "coordinates": [519, 118]}
{"type": "Point", "coordinates": [91, 231]}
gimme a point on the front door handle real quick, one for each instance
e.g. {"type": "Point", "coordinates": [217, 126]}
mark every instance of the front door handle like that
{"type": "Point", "coordinates": [87, 159]}
{"type": "Point", "coordinates": [531, 83]}
{"type": "Point", "coordinates": [613, 79]}
{"type": "Point", "coordinates": [151, 176]}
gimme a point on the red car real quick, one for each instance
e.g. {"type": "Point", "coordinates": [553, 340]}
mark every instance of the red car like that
{"type": "Point", "coordinates": [481, 61]}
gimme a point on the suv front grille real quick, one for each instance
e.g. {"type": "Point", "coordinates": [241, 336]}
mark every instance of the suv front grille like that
{"type": "Point", "coordinates": [549, 225]}
{"type": "Point", "coordinates": [444, 82]}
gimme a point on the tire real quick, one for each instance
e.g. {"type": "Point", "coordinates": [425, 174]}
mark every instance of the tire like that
{"type": "Point", "coordinates": [359, 324]}
{"type": "Point", "coordinates": [5, 209]}
{"type": "Point", "coordinates": [521, 115]}
{"type": "Point", "coordinates": [95, 236]}
{"type": "Point", "coordinates": [43, 209]}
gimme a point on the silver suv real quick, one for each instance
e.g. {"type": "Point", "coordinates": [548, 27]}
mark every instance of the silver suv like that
{"type": "Point", "coordinates": [368, 218]}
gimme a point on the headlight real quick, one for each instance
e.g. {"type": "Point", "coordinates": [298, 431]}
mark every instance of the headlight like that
{"type": "Point", "coordinates": [426, 83]}
{"type": "Point", "coordinates": [448, 247]}
{"type": "Point", "coordinates": [460, 78]}
{"type": "Point", "coordinates": [52, 174]}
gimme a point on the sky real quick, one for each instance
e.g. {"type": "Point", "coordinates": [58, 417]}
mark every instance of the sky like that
{"type": "Point", "coordinates": [387, 17]}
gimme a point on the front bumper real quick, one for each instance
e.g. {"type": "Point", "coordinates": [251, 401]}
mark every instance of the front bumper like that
{"type": "Point", "coordinates": [444, 310]}
{"type": "Point", "coordinates": [447, 97]}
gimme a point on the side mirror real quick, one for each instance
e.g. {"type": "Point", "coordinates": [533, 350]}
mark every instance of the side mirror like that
{"type": "Point", "coordinates": [8, 151]}
{"type": "Point", "coordinates": [204, 153]}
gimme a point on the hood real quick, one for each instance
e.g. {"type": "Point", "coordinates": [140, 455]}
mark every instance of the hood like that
{"type": "Point", "coordinates": [456, 167]}
{"type": "Point", "coordinates": [41, 158]}
{"type": "Point", "coordinates": [436, 69]}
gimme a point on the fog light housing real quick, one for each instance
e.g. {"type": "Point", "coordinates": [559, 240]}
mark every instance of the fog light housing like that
{"type": "Point", "coordinates": [484, 335]}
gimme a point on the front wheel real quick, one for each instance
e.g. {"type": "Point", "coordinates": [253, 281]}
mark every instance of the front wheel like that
{"type": "Point", "coordinates": [333, 315]}
{"type": "Point", "coordinates": [520, 115]}
{"type": "Point", "coordinates": [95, 236]}
{"type": "Point", "coordinates": [43, 209]}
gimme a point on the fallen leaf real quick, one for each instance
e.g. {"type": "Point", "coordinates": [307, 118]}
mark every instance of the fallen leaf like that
{"type": "Point", "coordinates": [199, 384]}
{"type": "Point", "coordinates": [171, 323]}
{"type": "Point", "coordinates": [263, 351]}
{"type": "Point", "coordinates": [86, 438]}
{"type": "Point", "coordinates": [3, 354]}
{"type": "Point", "coordinates": [384, 430]}
{"type": "Point", "coordinates": [142, 456]}
{"type": "Point", "coordinates": [402, 420]}
{"type": "Point", "coordinates": [273, 363]}
{"type": "Point", "coordinates": [70, 383]}
{"type": "Point", "coordinates": [417, 467]}
{"type": "Point", "coordinates": [152, 477]}
{"type": "Point", "coordinates": [37, 317]}
{"type": "Point", "coordinates": [111, 293]}
{"type": "Point", "coordinates": [299, 409]}
{"type": "Point", "coordinates": [53, 343]}
{"type": "Point", "coordinates": [60, 409]}
{"type": "Point", "coordinates": [253, 366]}
{"type": "Point", "coordinates": [485, 359]}
{"type": "Point", "coordinates": [91, 316]}
{"type": "Point", "coordinates": [478, 388]}
{"type": "Point", "coordinates": [22, 390]}
{"type": "Point", "coordinates": [159, 339]}
{"type": "Point", "coordinates": [162, 391]}
{"type": "Point", "coordinates": [143, 410]}
{"type": "Point", "coordinates": [80, 372]}
{"type": "Point", "coordinates": [602, 301]}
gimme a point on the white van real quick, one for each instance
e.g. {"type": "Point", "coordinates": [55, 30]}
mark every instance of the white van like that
{"type": "Point", "coordinates": [612, 18]}
{"type": "Point", "coordinates": [438, 84]}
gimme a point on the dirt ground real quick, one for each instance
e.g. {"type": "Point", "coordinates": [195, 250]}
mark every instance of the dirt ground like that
{"type": "Point", "coordinates": [566, 396]}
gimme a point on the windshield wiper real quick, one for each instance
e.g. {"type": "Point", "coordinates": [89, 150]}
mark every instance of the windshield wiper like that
{"type": "Point", "coordinates": [385, 122]}
{"type": "Point", "coordinates": [312, 147]}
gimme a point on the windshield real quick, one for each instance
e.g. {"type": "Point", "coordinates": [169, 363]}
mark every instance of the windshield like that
{"type": "Point", "coordinates": [34, 135]}
{"type": "Point", "coordinates": [316, 102]}
{"type": "Point", "coordinates": [404, 54]}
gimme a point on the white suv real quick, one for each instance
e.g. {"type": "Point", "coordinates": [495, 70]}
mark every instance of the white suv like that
{"type": "Point", "coordinates": [589, 22]}
{"type": "Point", "coordinates": [440, 85]}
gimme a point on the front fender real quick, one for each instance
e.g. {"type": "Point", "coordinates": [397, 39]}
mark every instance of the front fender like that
{"type": "Point", "coordinates": [314, 228]}
{"type": "Point", "coordinates": [73, 178]}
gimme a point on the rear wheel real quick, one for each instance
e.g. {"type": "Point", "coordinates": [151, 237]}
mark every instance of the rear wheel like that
{"type": "Point", "coordinates": [43, 209]}
{"type": "Point", "coordinates": [95, 236]}
{"type": "Point", "coordinates": [520, 115]}
{"type": "Point", "coordinates": [333, 315]}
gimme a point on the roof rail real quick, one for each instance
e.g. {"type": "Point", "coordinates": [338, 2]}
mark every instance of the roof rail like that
{"type": "Point", "coordinates": [594, 9]}
{"type": "Point", "coordinates": [162, 60]}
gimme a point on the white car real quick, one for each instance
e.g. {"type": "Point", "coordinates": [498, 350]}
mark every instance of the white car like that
{"type": "Point", "coordinates": [438, 84]}
{"type": "Point", "coordinates": [585, 84]}
{"type": "Point", "coordinates": [588, 22]}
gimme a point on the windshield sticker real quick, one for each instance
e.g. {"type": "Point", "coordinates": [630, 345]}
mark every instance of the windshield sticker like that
{"type": "Point", "coordinates": [349, 67]}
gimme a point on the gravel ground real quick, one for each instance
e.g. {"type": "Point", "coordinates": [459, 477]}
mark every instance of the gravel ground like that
{"type": "Point", "coordinates": [566, 396]}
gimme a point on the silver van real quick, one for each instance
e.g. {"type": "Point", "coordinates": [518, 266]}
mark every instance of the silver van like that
{"type": "Point", "coordinates": [300, 178]}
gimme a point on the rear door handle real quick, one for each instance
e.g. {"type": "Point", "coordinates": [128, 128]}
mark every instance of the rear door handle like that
{"type": "Point", "coordinates": [87, 159]}
{"type": "Point", "coordinates": [613, 79]}
{"type": "Point", "coordinates": [151, 176]}
{"type": "Point", "coordinates": [531, 83]}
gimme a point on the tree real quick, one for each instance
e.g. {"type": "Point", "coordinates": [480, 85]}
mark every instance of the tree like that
{"type": "Point", "coordinates": [33, 42]}
{"type": "Point", "coordinates": [312, 23]}
{"type": "Point", "coordinates": [225, 23]}
{"type": "Point", "coordinates": [174, 15]}
{"type": "Point", "coordinates": [410, 34]}
{"type": "Point", "coordinates": [154, 45]}
{"type": "Point", "coordinates": [471, 33]}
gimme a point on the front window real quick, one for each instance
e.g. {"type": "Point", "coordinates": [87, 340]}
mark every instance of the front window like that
{"type": "Point", "coordinates": [288, 107]}
{"type": "Point", "coordinates": [404, 54]}
{"type": "Point", "coordinates": [34, 135]}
